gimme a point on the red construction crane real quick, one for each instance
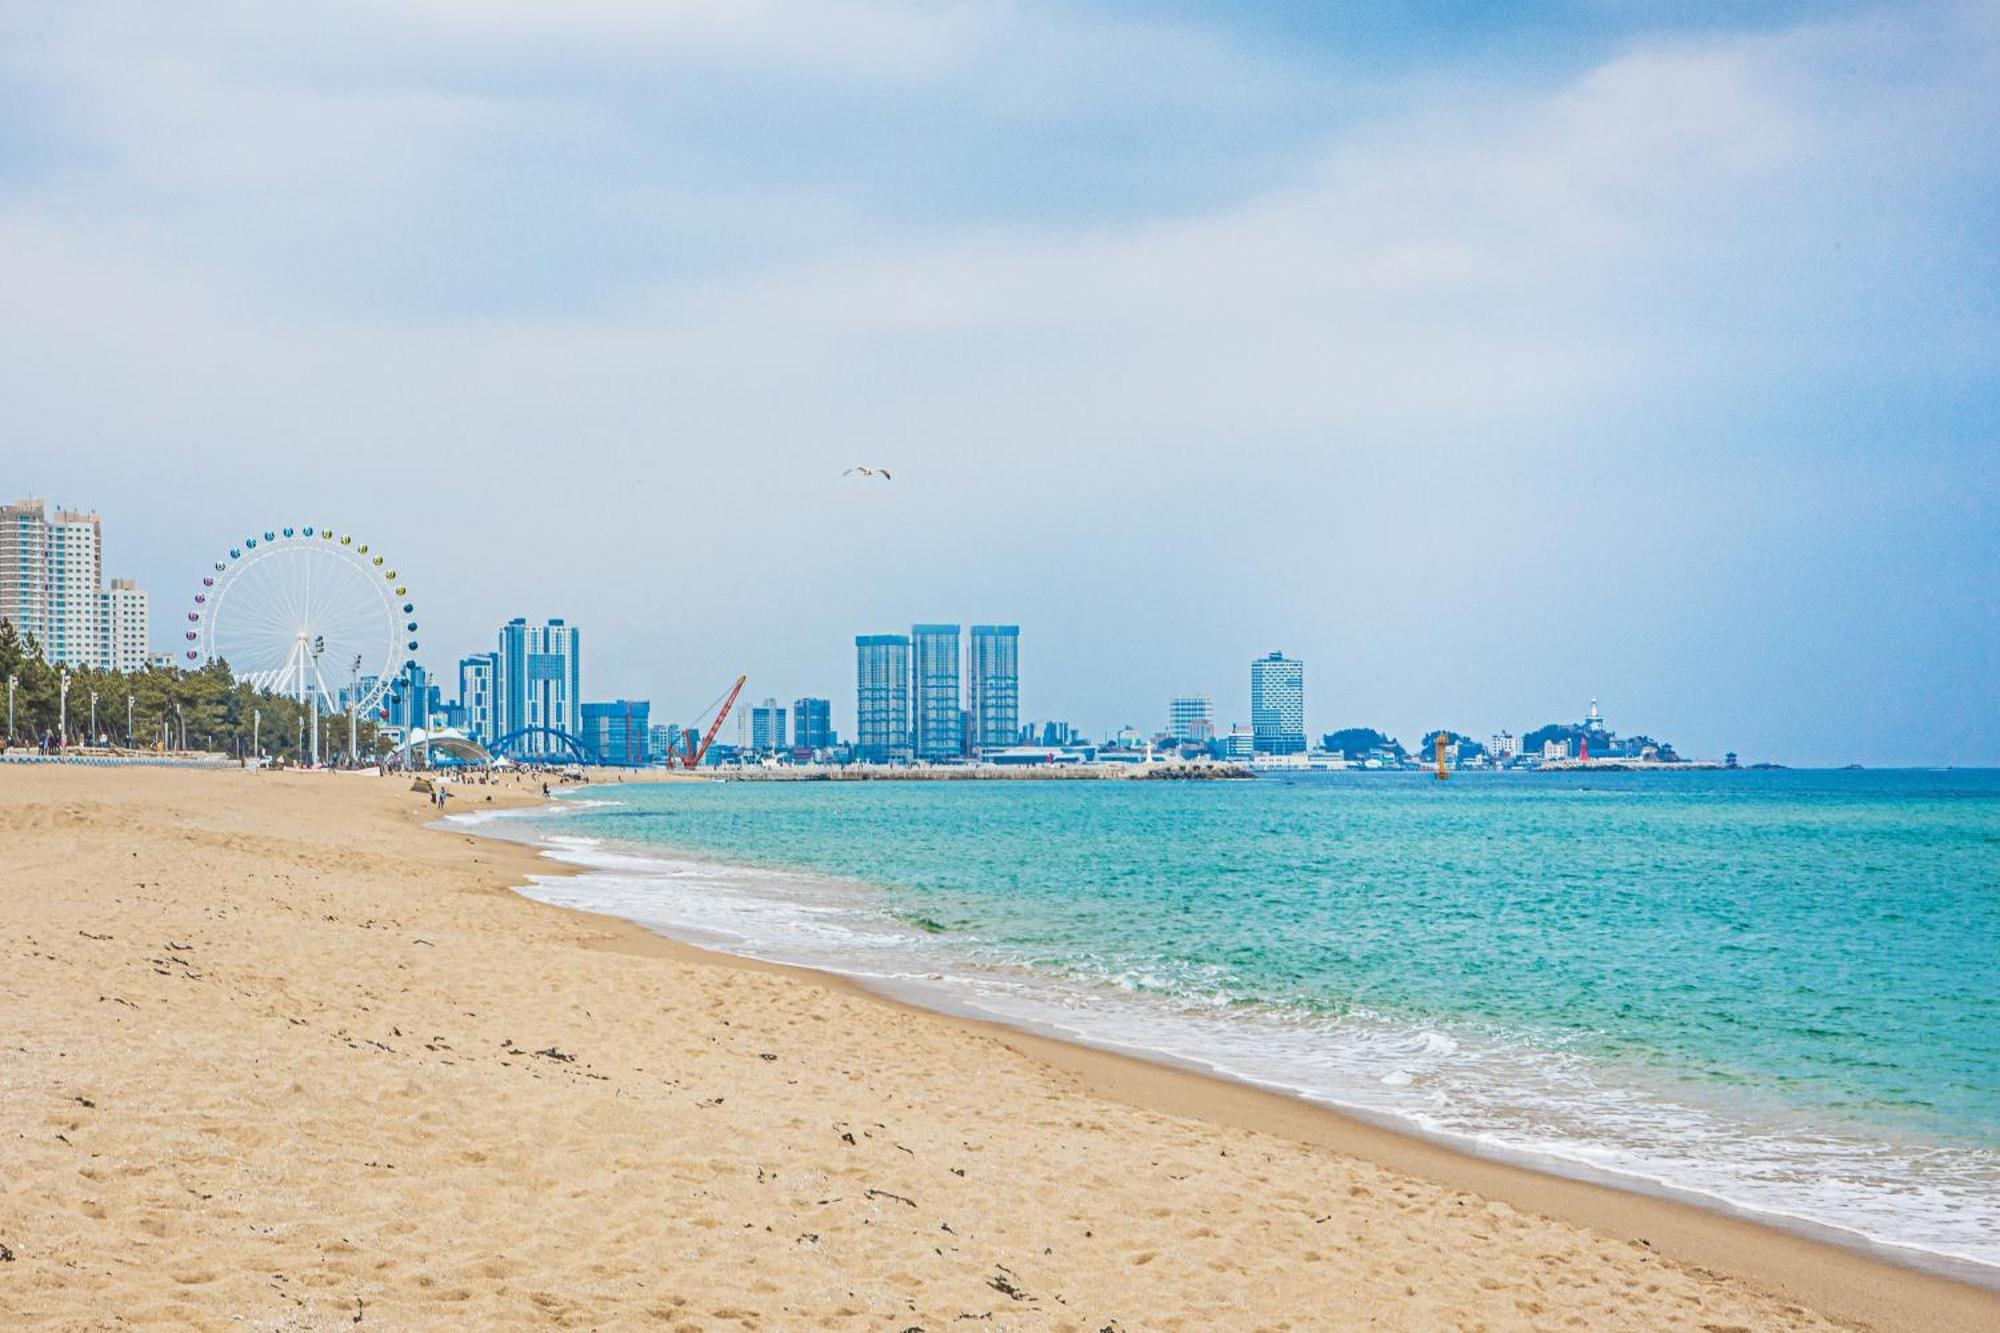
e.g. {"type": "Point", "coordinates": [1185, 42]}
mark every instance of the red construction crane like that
{"type": "Point", "coordinates": [692, 756]}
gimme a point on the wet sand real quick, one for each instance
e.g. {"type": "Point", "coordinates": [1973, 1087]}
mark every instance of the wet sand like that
{"type": "Point", "coordinates": [276, 1055]}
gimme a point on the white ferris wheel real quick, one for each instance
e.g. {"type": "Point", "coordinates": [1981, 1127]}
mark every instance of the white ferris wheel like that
{"type": "Point", "coordinates": [307, 613]}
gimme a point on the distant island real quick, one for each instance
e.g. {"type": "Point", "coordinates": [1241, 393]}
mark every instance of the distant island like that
{"type": "Point", "coordinates": [1555, 746]}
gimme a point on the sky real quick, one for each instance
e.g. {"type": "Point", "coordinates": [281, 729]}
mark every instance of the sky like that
{"type": "Point", "coordinates": [1487, 358]}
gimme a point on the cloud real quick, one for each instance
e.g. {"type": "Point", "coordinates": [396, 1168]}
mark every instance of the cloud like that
{"type": "Point", "coordinates": [474, 274]}
{"type": "Point", "coordinates": [848, 38]}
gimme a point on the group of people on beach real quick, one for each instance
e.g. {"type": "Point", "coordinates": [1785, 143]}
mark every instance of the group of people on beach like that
{"type": "Point", "coordinates": [51, 742]}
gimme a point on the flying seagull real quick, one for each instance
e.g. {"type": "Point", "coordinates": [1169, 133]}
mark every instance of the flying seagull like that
{"type": "Point", "coordinates": [881, 472]}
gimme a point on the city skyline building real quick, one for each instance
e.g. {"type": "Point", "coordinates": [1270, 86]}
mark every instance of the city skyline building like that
{"type": "Point", "coordinates": [767, 727]}
{"type": "Point", "coordinates": [993, 670]}
{"type": "Point", "coordinates": [344, 697]}
{"type": "Point", "coordinates": [1278, 704]}
{"type": "Point", "coordinates": [934, 663]}
{"type": "Point", "coordinates": [477, 677]}
{"type": "Point", "coordinates": [75, 616]}
{"type": "Point", "coordinates": [52, 589]}
{"type": "Point", "coordinates": [618, 731]}
{"type": "Point", "coordinates": [812, 724]}
{"type": "Point", "coordinates": [1051, 733]}
{"type": "Point", "coordinates": [539, 685]}
{"type": "Point", "coordinates": [1191, 719]}
{"type": "Point", "coordinates": [24, 569]}
{"type": "Point", "coordinates": [126, 614]}
{"type": "Point", "coordinates": [411, 699]}
{"type": "Point", "coordinates": [882, 697]}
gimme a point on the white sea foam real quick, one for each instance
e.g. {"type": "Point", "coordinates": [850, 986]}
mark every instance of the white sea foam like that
{"type": "Point", "coordinates": [1939, 1205]}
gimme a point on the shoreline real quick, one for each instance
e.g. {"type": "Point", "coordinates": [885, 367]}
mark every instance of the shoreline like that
{"type": "Point", "coordinates": [277, 1051]}
{"type": "Point", "coordinates": [931, 996]}
{"type": "Point", "coordinates": [1711, 1232]}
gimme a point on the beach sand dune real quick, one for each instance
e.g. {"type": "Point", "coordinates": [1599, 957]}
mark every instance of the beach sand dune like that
{"type": "Point", "coordinates": [274, 1055]}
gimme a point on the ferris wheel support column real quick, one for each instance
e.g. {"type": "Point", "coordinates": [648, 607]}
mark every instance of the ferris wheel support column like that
{"type": "Point", "coordinates": [294, 671]}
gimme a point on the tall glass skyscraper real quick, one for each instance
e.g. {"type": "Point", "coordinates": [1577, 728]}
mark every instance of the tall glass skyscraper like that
{"type": "Point", "coordinates": [540, 683]}
{"type": "Point", "coordinates": [812, 724]}
{"type": "Point", "coordinates": [476, 678]}
{"type": "Point", "coordinates": [940, 732]}
{"type": "Point", "coordinates": [1278, 704]}
{"type": "Point", "coordinates": [882, 697]}
{"type": "Point", "coordinates": [993, 671]}
{"type": "Point", "coordinates": [767, 727]}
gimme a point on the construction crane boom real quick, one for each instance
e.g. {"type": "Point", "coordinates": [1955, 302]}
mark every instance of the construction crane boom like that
{"type": "Point", "coordinates": [695, 754]}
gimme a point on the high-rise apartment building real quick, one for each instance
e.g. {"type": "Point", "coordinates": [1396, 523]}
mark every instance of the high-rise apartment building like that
{"type": "Point", "coordinates": [767, 727]}
{"type": "Point", "coordinates": [52, 587]}
{"type": "Point", "coordinates": [24, 568]}
{"type": "Point", "coordinates": [125, 617]}
{"type": "Point", "coordinates": [477, 677]}
{"type": "Point", "coordinates": [617, 732]}
{"type": "Point", "coordinates": [76, 635]}
{"type": "Point", "coordinates": [539, 688]}
{"type": "Point", "coordinates": [934, 689]}
{"type": "Point", "coordinates": [882, 697]}
{"type": "Point", "coordinates": [1278, 704]}
{"type": "Point", "coordinates": [812, 724]}
{"type": "Point", "coordinates": [993, 680]}
{"type": "Point", "coordinates": [1191, 719]}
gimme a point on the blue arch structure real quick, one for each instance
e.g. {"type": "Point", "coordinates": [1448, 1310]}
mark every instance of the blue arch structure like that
{"type": "Point", "coordinates": [510, 745]}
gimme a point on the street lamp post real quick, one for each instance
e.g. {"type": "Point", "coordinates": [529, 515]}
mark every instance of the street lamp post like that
{"type": "Point", "coordinates": [180, 716]}
{"type": "Point", "coordinates": [62, 710]}
{"type": "Point", "coordinates": [93, 717]}
{"type": "Point", "coordinates": [353, 700]}
{"type": "Point", "coordinates": [12, 681]}
{"type": "Point", "coordinates": [256, 726]}
{"type": "Point", "coordinates": [318, 647]}
{"type": "Point", "coordinates": [128, 721]}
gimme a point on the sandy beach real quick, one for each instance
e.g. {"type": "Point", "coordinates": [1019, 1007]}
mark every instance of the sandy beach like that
{"type": "Point", "coordinates": [277, 1054]}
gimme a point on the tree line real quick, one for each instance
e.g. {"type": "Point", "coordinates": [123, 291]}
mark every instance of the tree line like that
{"type": "Point", "coordinates": [167, 708]}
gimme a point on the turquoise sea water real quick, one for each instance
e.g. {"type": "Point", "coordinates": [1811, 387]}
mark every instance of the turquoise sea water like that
{"type": "Point", "coordinates": [1779, 991]}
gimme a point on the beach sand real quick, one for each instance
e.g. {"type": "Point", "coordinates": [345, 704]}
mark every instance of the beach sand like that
{"type": "Point", "coordinates": [273, 1054]}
